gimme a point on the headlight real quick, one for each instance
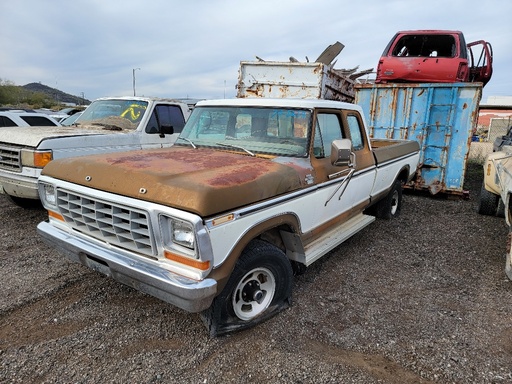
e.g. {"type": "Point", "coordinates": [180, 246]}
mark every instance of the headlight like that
{"type": "Point", "coordinates": [183, 234]}
{"type": "Point", "coordinates": [48, 195]}
{"type": "Point", "coordinates": [177, 232]}
{"type": "Point", "coordinates": [179, 241]}
{"type": "Point", "coordinates": [36, 159]}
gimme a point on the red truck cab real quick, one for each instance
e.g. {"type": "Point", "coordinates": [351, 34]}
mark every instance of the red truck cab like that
{"type": "Point", "coordinates": [436, 56]}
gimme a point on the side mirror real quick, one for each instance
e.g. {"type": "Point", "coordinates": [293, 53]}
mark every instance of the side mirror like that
{"type": "Point", "coordinates": [341, 153]}
{"type": "Point", "coordinates": [166, 130]}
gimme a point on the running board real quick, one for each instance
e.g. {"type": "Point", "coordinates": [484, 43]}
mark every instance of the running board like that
{"type": "Point", "coordinates": [335, 237]}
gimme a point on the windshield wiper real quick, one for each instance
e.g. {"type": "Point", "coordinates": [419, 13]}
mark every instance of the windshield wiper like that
{"type": "Point", "coordinates": [237, 147]}
{"type": "Point", "coordinates": [188, 141]}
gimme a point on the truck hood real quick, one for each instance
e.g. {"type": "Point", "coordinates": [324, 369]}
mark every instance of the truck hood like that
{"type": "Point", "coordinates": [202, 181]}
{"type": "Point", "coordinates": [32, 136]}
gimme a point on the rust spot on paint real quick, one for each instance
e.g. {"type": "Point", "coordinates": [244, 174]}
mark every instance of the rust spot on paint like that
{"type": "Point", "coordinates": [181, 158]}
{"type": "Point", "coordinates": [239, 174]}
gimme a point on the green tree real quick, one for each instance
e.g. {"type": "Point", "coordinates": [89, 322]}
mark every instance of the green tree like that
{"type": "Point", "coordinates": [9, 92]}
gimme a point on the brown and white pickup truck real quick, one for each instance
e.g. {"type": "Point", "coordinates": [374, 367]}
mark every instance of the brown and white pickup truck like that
{"type": "Point", "coordinates": [253, 191]}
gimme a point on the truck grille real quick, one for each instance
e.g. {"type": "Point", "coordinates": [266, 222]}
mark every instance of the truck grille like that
{"type": "Point", "coordinates": [10, 158]}
{"type": "Point", "coordinates": [112, 223]}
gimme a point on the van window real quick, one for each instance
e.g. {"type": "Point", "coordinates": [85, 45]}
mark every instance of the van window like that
{"type": "Point", "coordinates": [6, 122]}
{"type": "Point", "coordinates": [39, 121]}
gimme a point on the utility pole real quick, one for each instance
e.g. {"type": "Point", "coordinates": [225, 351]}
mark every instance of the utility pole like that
{"type": "Point", "coordinates": [133, 75]}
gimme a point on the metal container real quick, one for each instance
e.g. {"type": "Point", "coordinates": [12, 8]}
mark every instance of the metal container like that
{"type": "Point", "coordinates": [439, 116]}
{"type": "Point", "coordinates": [293, 80]}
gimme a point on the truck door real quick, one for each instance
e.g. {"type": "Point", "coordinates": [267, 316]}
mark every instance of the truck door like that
{"type": "Point", "coordinates": [480, 54]}
{"type": "Point", "coordinates": [164, 126]}
{"type": "Point", "coordinates": [366, 170]}
{"type": "Point", "coordinates": [329, 202]}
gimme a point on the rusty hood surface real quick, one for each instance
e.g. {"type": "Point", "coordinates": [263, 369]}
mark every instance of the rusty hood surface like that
{"type": "Point", "coordinates": [202, 181]}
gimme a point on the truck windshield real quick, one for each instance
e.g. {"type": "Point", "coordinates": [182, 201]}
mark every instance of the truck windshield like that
{"type": "Point", "coordinates": [114, 114]}
{"type": "Point", "coordinates": [251, 130]}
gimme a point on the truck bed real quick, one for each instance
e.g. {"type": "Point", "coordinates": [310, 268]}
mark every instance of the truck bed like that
{"type": "Point", "coordinates": [385, 149]}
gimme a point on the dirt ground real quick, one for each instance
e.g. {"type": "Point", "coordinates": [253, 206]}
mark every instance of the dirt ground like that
{"type": "Point", "coordinates": [420, 299]}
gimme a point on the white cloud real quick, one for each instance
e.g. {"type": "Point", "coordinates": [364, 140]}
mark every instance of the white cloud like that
{"type": "Point", "coordinates": [194, 48]}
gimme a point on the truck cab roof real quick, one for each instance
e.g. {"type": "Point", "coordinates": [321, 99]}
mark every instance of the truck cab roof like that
{"type": "Point", "coordinates": [281, 102]}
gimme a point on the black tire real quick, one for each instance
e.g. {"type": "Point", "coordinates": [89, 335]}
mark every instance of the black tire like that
{"type": "Point", "coordinates": [391, 205]}
{"type": "Point", "coordinates": [508, 256]}
{"type": "Point", "coordinates": [259, 287]}
{"type": "Point", "coordinates": [500, 211]}
{"type": "Point", "coordinates": [488, 202]}
{"type": "Point", "coordinates": [26, 203]}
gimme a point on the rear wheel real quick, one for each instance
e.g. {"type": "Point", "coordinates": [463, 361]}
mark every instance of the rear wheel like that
{"type": "Point", "coordinates": [390, 206]}
{"type": "Point", "coordinates": [259, 287]}
{"type": "Point", "coordinates": [488, 202]}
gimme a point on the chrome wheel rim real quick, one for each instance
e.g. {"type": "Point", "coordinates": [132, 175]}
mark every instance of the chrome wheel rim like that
{"type": "Point", "coordinates": [254, 293]}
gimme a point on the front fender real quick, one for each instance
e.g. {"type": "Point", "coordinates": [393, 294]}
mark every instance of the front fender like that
{"type": "Point", "coordinates": [222, 272]}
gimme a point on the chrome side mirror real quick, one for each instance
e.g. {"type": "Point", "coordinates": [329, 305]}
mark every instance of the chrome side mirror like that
{"type": "Point", "coordinates": [341, 153]}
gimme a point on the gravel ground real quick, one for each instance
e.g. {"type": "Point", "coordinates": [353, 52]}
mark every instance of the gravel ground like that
{"type": "Point", "coordinates": [420, 299]}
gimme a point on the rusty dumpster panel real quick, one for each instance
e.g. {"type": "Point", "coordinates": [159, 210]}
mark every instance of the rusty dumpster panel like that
{"type": "Point", "coordinates": [440, 117]}
{"type": "Point", "coordinates": [274, 79]}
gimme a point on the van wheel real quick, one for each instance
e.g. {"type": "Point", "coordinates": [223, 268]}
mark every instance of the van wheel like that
{"type": "Point", "coordinates": [259, 287]}
{"type": "Point", "coordinates": [390, 206]}
{"type": "Point", "coordinates": [488, 202]}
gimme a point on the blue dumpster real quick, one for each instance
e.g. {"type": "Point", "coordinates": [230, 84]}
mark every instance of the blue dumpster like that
{"type": "Point", "coordinates": [439, 116]}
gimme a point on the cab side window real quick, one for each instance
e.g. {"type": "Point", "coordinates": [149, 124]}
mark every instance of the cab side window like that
{"type": "Point", "coordinates": [166, 116]}
{"type": "Point", "coordinates": [355, 132]}
{"type": "Point", "coordinates": [328, 128]}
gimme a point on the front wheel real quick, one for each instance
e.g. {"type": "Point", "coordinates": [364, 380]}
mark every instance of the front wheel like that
{"type": "Point", "coordinates": [488, 202]}
{"type": "Point", "coordinates": [26, 203]}
{"type": "Point", "coordinates": [259, 287]}
{"type": "Point", "coordinates": [508, 255]}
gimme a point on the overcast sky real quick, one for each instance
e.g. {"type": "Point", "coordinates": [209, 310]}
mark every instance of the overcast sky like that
{"type": "Point", "coordinates": [193, 48]}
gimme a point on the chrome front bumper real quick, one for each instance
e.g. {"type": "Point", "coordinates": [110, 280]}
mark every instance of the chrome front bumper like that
{"type": "Point", "coordinates": [185, 293]}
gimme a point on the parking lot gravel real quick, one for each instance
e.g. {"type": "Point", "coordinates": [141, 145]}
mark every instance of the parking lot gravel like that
{"type": "Point", "coordinates": [419, 299]}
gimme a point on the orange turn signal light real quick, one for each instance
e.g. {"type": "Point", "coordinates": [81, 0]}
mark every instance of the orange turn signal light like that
{"type": "Point", "coordinates": [201, 265]}
{"type": "Point", "coordinates": [42, 158]}
{"type": "Point", "coordinates": [55, 215]}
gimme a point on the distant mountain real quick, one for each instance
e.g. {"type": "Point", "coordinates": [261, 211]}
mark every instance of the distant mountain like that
{"type": "Point", "coordinates": [55, 94]}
